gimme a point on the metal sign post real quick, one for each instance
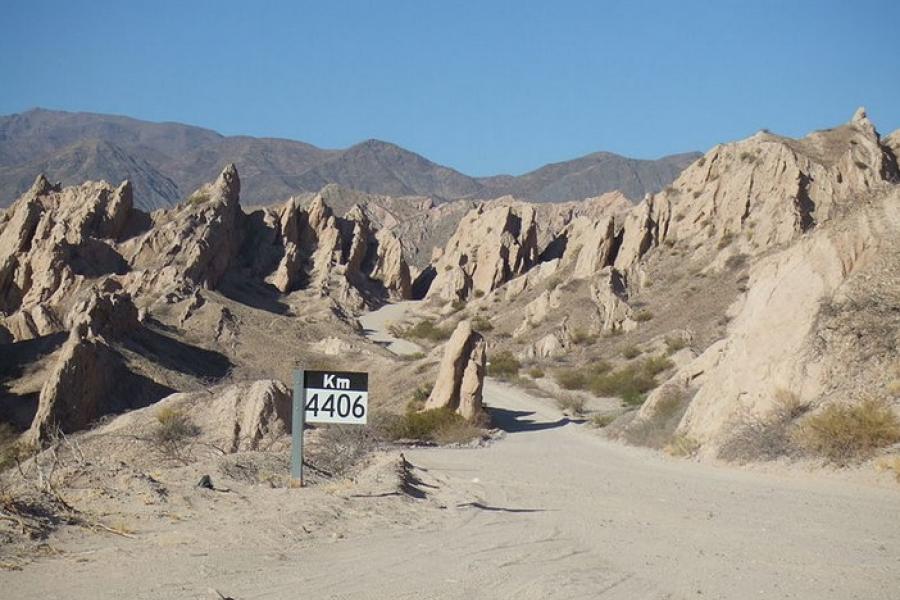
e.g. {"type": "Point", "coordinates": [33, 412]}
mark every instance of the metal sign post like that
{"type": "Point", "coordinates": [340, 397]}
{"type": "Point", "coordinates": [298, 422]}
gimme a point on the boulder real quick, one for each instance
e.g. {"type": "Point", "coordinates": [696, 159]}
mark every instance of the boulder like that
{"type": "Point", "coordinates": [461, 373]}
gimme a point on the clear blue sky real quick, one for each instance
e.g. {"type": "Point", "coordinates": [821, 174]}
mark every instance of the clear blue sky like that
{"type": "Point", "coordinates": [485, 87]}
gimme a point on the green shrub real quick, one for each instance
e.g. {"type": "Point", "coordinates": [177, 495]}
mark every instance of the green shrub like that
{"type": "Point", "coordinates": [535, 372]}
{"type": "Point", "coordinates": [845, 433]}
{"type": "Point", "coordinates": [426, 330]}
{"type": "Point", "coordinates": [630, 383]}
{"type": "Point", "coordinates": [580, 378]}
{"type": "Point", "coordinates": [440, 425]}
{"type": "Point", "coordinates": [479, 293]}
{"type": "Point", "coordinates": [503, 364]}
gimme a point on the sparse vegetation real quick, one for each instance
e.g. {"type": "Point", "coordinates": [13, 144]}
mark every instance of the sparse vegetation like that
{"type": "Point", "coordinates": [439, 425]}
{"type": "Point", "coordinates": [580, 337]}
{"type": "Point", "coordinates": [503, 365]}
{"type": "Point", "coordinates": [571, 404]}
{"type": "Point", "coordinates": [602, 420]}
{"type": "Point", "coordinates": [844, 433]}
{"type": "Point", "coordinates": [861, 165]}
{"type": "Point", "coordinates": [579, 378]}
{"type": "Point", "coordinates": [682, 445]}
{"type": "Point", "coordinates": [482, 324]}
{"type": "Point", "coordinates": [425, 329]}
{"type": "Point", "coordinates": [643, 316]}
{"type": "Point", "coordinates": [535, 372]}
{"type": "Point", "coordinates": [674, 344]}
{"type": "Point", "coordinates": [765, 437]}
{"type": "Point", "coordinates": [173, 433]}
{"type": "Point", "coordinates": [726, 240]}
{"type": "Point", "coordinates": [631, 352]}
{"type": "Point", "coordinates": [198, 198]}
{"type": "Point", "coordinates": [630, 383]}
{"type": "Point", "coordinates": [458, 305]}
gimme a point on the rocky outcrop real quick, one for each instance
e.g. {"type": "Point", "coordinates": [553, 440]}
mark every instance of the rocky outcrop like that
{"type": "Point", "coordinates": [52, 241]}
{"type": "Point", "coordinates": [194, 244]}
{"type": "Point", "coordinates": [819, 321]}
{"type": "Point", "coordinates": [610, 294]}
{"type": "Point", "coordinates": [106, 310]}
{"type": "Point", "coordinates": [343, 256]}
{"type": "Point", "coordinates": [460, 376]}
{"type": "Point", "coordinates": [490, 247]}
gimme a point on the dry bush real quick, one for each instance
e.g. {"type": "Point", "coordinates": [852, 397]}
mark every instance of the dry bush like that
{"type": "Point", "coordinates": [890, 463]}
{"type": "Point", "coordinates": [425, 329]}
{"type": "Point", "coordinates": [631, 383]}
{"type": "Point", "coordinates": [579, 378]}
{"type": "Point", "coordinates": [765, 437]}
{"type": "Point", "coordinates": [482, 324]}
{"type": "Point", "coordinates": [535, 372]}
{"type": "Point", "coordinates": [602, 420]}
{"type": "Point", "coordinates": [682, 445]}
{"type": "Point", "coordinates": [571, 404]}
{"type": "Point", "coordinates": [503, 365]}
{"type": "Point", "coordinates": [656, 429]}
{"type": "Point", "coordinates": [674, 344]}
{"type": "Point", "coordinates": [631, 352]}
{"type": "Point", "coordinates": [845, 433]}
{"type": "Point", "coordinates": [339, 448]}
{"type": "Point", "coordinates": [643, 316]}
{"type": "Point", "coordinates": [460, 431]}
{"type": "Point", "coordinates": [173, 433]}
{"type": "Point", "coordinates": [580, 337]}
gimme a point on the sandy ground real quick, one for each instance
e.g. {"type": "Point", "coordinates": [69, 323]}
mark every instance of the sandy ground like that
{"type": "Point", "coordinates": [376, 323]}
{"type": "Point", "coordinates": [551, 510]}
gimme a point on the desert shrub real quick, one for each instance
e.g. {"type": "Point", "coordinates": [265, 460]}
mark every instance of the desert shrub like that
{"type": "Point", "coordinates": [198, 198]}
{"type": "Point", "coordinates": [482, 324]}
{"type": "Point", "coordinates": [656, 427]}
{"type": "Point", "coordinates": [768, 437]}
{"type": "Point", "coordinates": [413, 357]}
{"type": "Point", "coordinates": [602, 420]}
{"type": "Point", "coordinates": [674, 344]}
{"type": "Point", "coordinates": [426, 330]}
{"type": "Point", "coordinates": [701, 161]}
{"type": "Point", "coordinates": [630, 383]}
{"type": "Point", "coordinates": [580, 378]}
{"type": "Point", "coordinates": [458, 305]}
{"type": "Point", "coordinates": [845, 433]}
{"type": "Point", "coordinates": [339, 448]}
{"type": "Point", "coordinates": [535, 372]}
{"type": "Point", "coordinates": [892, 464]}
{"type": "Point", "coordinates": [570, 404]}
{"type": "Point", "coordinates": [440, 425]}
{"type": "Point", "coordinates": [479, 293]}
{"type": "Point", "coordinates": [725, 240]}
{"type": "Point", "coordinates": [503, 364]}
{"type": "Point", "coordinates": [631, 352]}
{"type": "Point", "coordinates": [861, 165]}
{"type": "Point", "coordinates": [736, 261]}
{"type": "Point", "coordinates": [643, 315]}
{"type": "Point", "coordinates": [682, 445]}
{"type": "Point", "coordinates": [173, 433]}
{"type": "Point", "coordinates": [581, 337]}
{"type": "Point", "coordinates": [419, 397]}
{"type": "Point", "coordinates": [696, 194]}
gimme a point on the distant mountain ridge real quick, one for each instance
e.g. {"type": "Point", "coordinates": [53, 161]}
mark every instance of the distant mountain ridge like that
{"type": "Point", "coordinates": [167, 161]}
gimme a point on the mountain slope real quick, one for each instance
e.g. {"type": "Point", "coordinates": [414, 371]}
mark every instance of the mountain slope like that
{"type": "Point", "coordinates": [165, 161]}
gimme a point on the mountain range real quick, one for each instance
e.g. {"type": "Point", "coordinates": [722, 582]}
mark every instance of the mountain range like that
{"type": "Point", "coordinates": [167, 161]}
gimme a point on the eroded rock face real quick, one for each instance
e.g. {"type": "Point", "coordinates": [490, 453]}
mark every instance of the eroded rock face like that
{"type": "Point", "coordinates": [784, 336]}
{"type": "Point", "coordinates": [52, 241]}
{"type": "Point", "coordinates": [196, 243]}
{"type": "Point", "coordinates": [105, 311]}
{"type": "Point", "coordinates": [461, 374]}
{"type": "Point", "coordinates": [610, 293]}
{"type": "Point", "coordinates": [84, 385]}
{"type": "Point", "coordinates": [344, 256]}
{"type": "Point", "coordinates": [490, 247]}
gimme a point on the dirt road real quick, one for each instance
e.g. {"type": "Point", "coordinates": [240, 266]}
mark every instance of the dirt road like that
{"type": "Point", "coordinates": [550, 511]}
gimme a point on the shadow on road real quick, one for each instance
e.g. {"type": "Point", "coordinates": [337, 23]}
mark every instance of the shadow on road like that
{"type": "Point", "coordinates": [499, 508]}
{"type": "Point", "coordinates": [513, 421]}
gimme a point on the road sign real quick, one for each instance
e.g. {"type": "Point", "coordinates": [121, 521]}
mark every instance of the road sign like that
{"type": "Point", "coordinates": [325, 397]}
{"type": "Point", "coordinates": [336, 397]}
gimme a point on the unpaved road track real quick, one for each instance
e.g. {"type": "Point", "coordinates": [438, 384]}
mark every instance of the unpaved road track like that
{"type": "Point", "coordinates": [550, 511]}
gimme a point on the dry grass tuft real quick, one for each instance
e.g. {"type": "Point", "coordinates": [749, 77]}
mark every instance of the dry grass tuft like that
{"type": "Point", "coordinates": [571, 404]}
{"type": "Point", "coordinates": [844, 433]}
{"type": "Point", "coordinates": [768, 437]}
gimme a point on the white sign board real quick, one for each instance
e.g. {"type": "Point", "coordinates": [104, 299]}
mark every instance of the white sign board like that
{"type": "Point", "coordinates": [336, 397]}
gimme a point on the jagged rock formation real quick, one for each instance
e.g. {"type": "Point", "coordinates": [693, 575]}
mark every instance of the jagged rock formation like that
{"type": "Point", "coordinates": [461, 373]}
{"type": "Point", "coordinates": [90, 378]}
{"type": "Point", "coordinates": [195, 243]}
{"type": "Point", "coordinates": [52, 241]}
{"type": "Point", "coordinates": [490, 247]}
{"type": "Point", "coordinates": [322, 250]}
{"type": "Point", "coordinates": [610, 294]}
